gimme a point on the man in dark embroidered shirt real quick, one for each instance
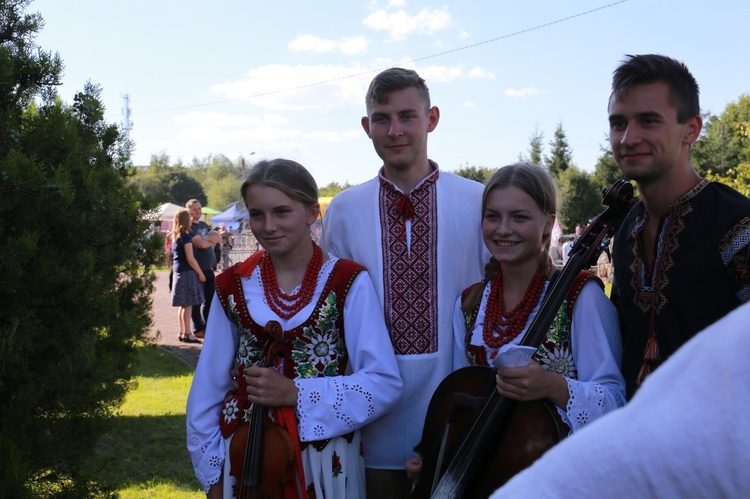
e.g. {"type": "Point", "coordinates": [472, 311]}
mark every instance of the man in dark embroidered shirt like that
{"type": "Point", "coordinates": [682, 255]}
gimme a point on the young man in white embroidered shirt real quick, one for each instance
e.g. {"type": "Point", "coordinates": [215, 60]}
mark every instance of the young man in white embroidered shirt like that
{"type": "Point", "coordinates": [415, 228]}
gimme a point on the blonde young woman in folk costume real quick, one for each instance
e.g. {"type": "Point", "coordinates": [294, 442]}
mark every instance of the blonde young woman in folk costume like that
{"type": "Point", "coordinates": [338, 372]}
{"type": "Point", "coordinates": [577, 367]}
{"type": "Point", "coordinates": [187, 291]}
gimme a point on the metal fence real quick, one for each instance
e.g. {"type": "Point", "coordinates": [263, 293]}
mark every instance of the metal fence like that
{"type": "Point", "coordinates": [242, 245]}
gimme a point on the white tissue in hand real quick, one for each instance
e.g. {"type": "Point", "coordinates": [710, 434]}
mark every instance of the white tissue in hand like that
{"type": "Point", "coordinates": [512, 355]}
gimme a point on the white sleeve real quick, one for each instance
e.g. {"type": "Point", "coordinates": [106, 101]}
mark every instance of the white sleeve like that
{"type": "Point", "coordinates": [597, 351]}
{"type": "Point", "coordinates": [459, 337]}
{"type": "Point", "coordinates": [334, 232]}
{"type": "Point", "coordinates": [332, 406]}
{"type": "Point", "coordinates": [211, 382]}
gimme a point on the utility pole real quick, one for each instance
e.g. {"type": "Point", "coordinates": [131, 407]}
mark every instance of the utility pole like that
{"type": "Point", "coordinates": [723, 148]}
{"type": "Point", "coordinates": [243, 165]}
{"type": "Point", "coordinates": [127, 125]}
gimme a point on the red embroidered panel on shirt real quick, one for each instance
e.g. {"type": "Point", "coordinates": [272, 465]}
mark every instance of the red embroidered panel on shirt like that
{"type": "Point", "coordinates": [410, 274]}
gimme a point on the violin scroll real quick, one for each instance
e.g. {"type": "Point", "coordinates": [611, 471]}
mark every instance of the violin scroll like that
{"type": "Point", "coordinates": [618, 194]}
{"type": "Point", "coordinates": [274, 329]}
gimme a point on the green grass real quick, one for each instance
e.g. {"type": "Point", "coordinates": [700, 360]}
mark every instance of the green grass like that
{"type": "Point", "coordinates": [144, 456]}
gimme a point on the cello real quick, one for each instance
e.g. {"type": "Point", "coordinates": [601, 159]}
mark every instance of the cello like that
{"type": "Point", "coordinates": [469, 425]}
{"type": "Point", "coordinates": [262, 453]}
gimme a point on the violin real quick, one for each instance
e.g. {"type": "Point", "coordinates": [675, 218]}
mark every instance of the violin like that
{"type": "Point", "coordinates": [469, 427]}
{"type": "Point", "coordinates": [261, 453]}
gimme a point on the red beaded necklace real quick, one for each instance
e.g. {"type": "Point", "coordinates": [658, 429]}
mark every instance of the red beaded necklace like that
{"type": "Point", "coordinates": [284, 305]}
{"type": "Point", "coordinates": [515, 320]}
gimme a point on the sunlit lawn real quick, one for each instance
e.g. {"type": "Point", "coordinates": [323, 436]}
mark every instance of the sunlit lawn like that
{"type": "Point", "coordinates": [145, 454]}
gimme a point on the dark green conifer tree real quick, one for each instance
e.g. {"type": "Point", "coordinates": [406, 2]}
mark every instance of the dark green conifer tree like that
{"type": "Point", "coordinates": [75, 263]}
{"type": "Point", "coordinates": [560, 156]}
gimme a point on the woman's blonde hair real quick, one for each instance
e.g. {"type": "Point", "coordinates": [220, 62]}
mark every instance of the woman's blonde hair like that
{"type": "Point", "coordinates": [181, 223]}
{"type": "Point", "coordinates": [535, 181]}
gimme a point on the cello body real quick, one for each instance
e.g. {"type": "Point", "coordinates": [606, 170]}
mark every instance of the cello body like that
{"type": "Point", "coordinates": [455, 407]}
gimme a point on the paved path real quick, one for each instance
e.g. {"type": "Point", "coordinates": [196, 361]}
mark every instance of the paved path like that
{"type": "Point", "coordinates": [164, 327]}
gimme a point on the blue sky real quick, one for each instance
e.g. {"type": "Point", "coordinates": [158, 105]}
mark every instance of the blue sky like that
{"type": "Point", "coordinates": [288, 78]}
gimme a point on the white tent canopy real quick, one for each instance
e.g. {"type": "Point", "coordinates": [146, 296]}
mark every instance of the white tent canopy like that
{"type": "Point", "coordinates": [167, 211]}
{"type": "Point", "coordinates": [163, 212]}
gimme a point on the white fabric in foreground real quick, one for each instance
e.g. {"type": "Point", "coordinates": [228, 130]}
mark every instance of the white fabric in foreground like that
{"type": "Point", "coordinates": [684, 434]}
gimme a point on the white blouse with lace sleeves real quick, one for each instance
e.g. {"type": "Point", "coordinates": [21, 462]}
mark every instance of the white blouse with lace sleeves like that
{"type": "Point", "coordinates": [210, 383]}
{"type": "Point", "coordinates": [333, 406]}
{"type": "Point", "coordinates": [597, 350]}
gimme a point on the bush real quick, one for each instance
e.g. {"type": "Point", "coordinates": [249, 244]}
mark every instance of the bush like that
{"type": "Point", "coordinates": [75, 277]}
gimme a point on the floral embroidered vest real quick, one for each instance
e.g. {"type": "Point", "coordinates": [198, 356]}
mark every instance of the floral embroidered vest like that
{"type": "Point", "coordinates": [315, 348]}
{"type": "Point", "coordinates": [555, 353]}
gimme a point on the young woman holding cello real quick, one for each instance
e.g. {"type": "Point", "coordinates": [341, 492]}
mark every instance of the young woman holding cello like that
{"type": "Point", "coordinates": [577, 367]}
{"type": "Point", "coordinates": [305, 335]}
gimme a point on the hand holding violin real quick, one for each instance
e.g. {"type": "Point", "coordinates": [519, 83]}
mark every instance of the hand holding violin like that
{"type": "Point", "coordinates": [268, 387]}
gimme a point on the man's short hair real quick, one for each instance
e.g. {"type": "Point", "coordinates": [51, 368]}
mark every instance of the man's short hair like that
{"type": "Point", "coordinates": [655, 68]}
{"type": "Point", "coordinates": [393, 79]}
{"type": "Point", "coordinates": [191, 203]}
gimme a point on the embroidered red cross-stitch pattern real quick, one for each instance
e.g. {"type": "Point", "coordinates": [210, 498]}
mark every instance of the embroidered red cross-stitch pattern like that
{"type": "Point", "coordinates": [410, 273]}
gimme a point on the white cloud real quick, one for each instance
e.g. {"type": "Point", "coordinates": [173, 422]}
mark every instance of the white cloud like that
{"type": "Point", "coordinates": [221, 128]}
{"type": "Point", "coordinates": [217, 135]}
{"type": "Point", "coordinates": [450, 73]}
{"type": "Point", "coordinates": [524, 92]}
{"type": "Point", "coordinates": [310, 43]}
{"type": "Point", "coordinates": [331, 136]}
{"type": "Point", "coordinates": [274, 119]}
{"type": "Point", "coordinates": [206, 131]}
{"type": "Point", "coordinates": [328, 136]}
{"type": "Point", "coordinates": [464, 35]}
{"type": "Point", "coordinates": [401, 24]}
{"type": "Point", "coordinates": [470, 104]}
{"type": "Point", "coordinates": [477, 72]}
{"type": "Point", "coordinates": [216, 119]}
{"type": "Point", "coordinates": [353, 45]}
{"type": "Point", "coordinates": [282, 87]}
{"type": "Point", "coordinates": [374, 4]}
{"type": "Point", "coordinates": [324, 87]}
{"type": "Point", "coordinates": [440, 73]}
